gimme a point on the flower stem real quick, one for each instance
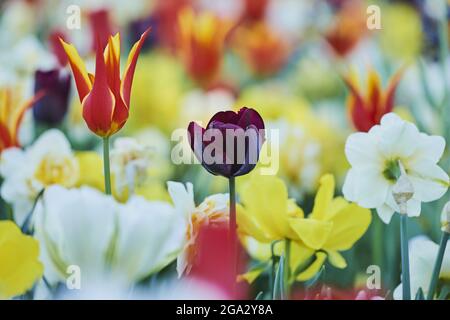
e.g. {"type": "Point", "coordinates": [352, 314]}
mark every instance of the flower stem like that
{"type": "Point", "coordinates": [405, 257]}
{"type": "Point", "coordinates": [438, 265]}
{"type": "Point", "coordinates": [106, 165]}
{"type": "Point", "coordinates": [233, 231]}
{"type": "Point", "coordinates": [287, 269]}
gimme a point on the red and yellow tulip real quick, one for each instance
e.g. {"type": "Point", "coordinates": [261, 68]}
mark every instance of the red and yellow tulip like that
{"type": "Point", "coordinates": [11, 116]}
{"type": "Point", "coordinates": [201, 42]}
{"type": "Point", "coordinates": [367, 108]}
{"type": "Point", "coordinates": [105, 97]}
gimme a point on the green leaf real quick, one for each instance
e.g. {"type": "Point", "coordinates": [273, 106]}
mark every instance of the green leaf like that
{"type": "Point", "coordinates": [444, 292]}
{"type": "Point", "coordinates": [260, 296]}
{"type": "Point", "coordinates": [420, 295]}
{"type": "Point", "coordinates": [278, 285]}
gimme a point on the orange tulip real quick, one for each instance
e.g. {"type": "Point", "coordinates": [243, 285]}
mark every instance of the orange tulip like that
{"type": "Point", "coordinates": [264, 50]}
{"type": "Point", "coordinates": [11, 116]}
{"type": "Point", "coordinates": [367, 109]}
{"type": "Point", "coordinates": [201, 42]}
{"type": "Point", "coordinates": [105, 97]}
{"type": "Point", "coordinates": [348, 28]}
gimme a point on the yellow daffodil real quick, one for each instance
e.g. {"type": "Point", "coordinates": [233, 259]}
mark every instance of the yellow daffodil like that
{"type": "Point", "coordinates": [19, 264]}
{"type": "Point", "coordinates": [268, 215]}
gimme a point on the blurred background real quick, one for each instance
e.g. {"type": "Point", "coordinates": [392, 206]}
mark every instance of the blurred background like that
{"type": "Point", "coordinates": [286, 58]}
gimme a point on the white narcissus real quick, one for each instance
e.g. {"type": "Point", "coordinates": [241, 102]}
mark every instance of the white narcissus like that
{"type": "Point", "coordinates": [109, 241]}
{"type": "Point", "coordinates": [422, 256]}
{"type": "Point", "coordinates": [48, 161]}
{"type": "Point", "coordinates": [376, 158]}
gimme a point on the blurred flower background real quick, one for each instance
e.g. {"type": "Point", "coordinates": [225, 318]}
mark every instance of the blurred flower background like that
{"type": "Point", "coordinates": [316, 72]}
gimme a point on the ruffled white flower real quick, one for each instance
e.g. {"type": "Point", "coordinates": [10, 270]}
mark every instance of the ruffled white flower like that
{"type": "Point", "coordinates": [27, 172]}
{"type": "Point", "coordinates": [108, 241]}
{"type": "Point", "coordinates": [129, 163]}
{"type": "Point", "coordinates": [376, 157]}
{"type": "Point", "coordinates": [422, 256]}
{"type": "Point", "coordinates": [214, 210]}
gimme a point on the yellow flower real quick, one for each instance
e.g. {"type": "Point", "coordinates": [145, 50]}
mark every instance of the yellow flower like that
{"type": "Point", "coordinates": [305, 139]}
{"type": "Point", "coordinates": [158, 88]}
{"type": "Point", "coordinates": [401, 36]}
{"type": "Point", "coordinates": [268, 215]}
{"type": "Point", "coordinates": [19, 265]}
{"type": "Point", "coordinates": [91, 167]}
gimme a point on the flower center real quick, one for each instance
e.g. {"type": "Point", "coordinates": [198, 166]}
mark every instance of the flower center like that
{"type": "Point", "coordinates": [62, 171]}
{"type": "Point", "coordinates": [392, 170]}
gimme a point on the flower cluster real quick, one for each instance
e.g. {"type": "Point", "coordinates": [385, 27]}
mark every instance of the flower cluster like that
{"type": "Point", "coordinates": [239, 149]}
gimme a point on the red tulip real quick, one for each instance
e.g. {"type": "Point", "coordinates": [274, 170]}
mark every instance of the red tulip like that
{"type": "Point", "coordinates": [105, 97]}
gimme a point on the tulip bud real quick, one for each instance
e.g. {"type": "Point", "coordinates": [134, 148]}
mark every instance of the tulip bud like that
{"type": "Point", "coordinates": [402, 191]}
{"type": "Point", "coordinates": [445, 218]}
{"type": "Point", "coordinates": [52, 108]}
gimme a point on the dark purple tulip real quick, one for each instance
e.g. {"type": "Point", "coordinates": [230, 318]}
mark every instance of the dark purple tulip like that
{"type": "Point", "coordinates": [242, 135]}
{"type": "Point", "coordinates": [52, 108]}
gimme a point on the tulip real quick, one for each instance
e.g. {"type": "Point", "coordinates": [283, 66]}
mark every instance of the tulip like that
{"type": "Point", "coordinates": [11, 116]}
{"type": "Point", "coordinates": [231, 158]}
{"type": "Point", "coordinates": [254, 10]}
{"type": "Point", "coordinates": [348, 29]}
{"type": "Point", "coordinates": [105, 97]}
{"type": "Point", "coordinates": [200, 43]}
{"type": "Point", "coordinates": [265, 51]}
{"type": "Point", "coordinates": [366, 110]}
{"type": "Point", "coordinates": [243, 124]}
{"type": "Point", "coordinates": [52, 108]}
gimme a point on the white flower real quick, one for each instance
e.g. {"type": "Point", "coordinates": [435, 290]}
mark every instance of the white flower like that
{"type": "Point", "coordinates": [123, 243]}
{"type": "Point", "coordinates": [47, 162]}
{"type": "Point", "coordinates": [214, 210]}
{"type": "Point", "coordinates": [375, 158]}
{"type": "Point", "coordinates": [422, 256]}
{"type": "Point", "coordinates": [129, 163]}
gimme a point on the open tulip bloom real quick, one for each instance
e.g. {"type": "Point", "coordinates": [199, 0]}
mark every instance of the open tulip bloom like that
{"type": "Point", "coordinates": [229, 146]}
{"type": "Point", "coordinates": [106, 96]}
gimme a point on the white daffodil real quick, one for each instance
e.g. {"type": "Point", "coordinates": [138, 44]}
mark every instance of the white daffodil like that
{"type": "Point", "coordinates": [376, 159]}
{"type": "Point", "coordinates": [214, 210]}
{"type": "Point", "coordinates": [422, 256]}
{"type": "Point", "coordinates": [47, 162]}
{"type": "Point", "coordinates": [108, 241]}
{"type": "Point", "coordinates": [129, 163]}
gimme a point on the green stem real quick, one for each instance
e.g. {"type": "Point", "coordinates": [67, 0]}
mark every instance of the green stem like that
{"type": "Point", "coordinates": [377, 241]}
{"type": "Point", "coordinates": [9, 212]}
{"type": "Point", "coordinates": [287, 268]}
{"type": "Point", "coordinates": [233, 230]}
{"type": "Point", "coordinates": [405, 257]}
{"type": "Point", "coordinates": [438, 265]}
{"type": "Point", "coordinates": [106, 165]}
{"type": "Point", "coordinates": [272, 272]}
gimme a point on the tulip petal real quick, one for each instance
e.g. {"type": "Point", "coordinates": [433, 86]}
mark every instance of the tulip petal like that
{"type": "Point", "coordinates": [82, 80]}
{"type": "Point", "coordinates": [112, 60]}
{"type": "Point", "coordinates": [248, 117]}
{"type": "Point", "coordinates": [98, 106]}
{"type": "Point", "coordinates": [17, 118]}
{"type": "Point", "coordinates": [127, 79]}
